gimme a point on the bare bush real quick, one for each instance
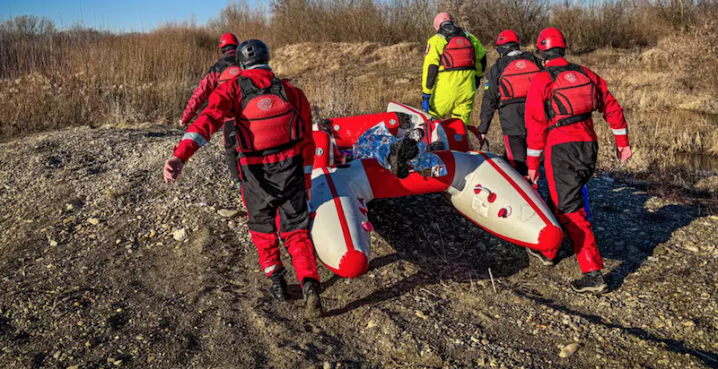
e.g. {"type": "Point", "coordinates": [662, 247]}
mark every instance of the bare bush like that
{"type": "Point", "coordinates": [51, 78]}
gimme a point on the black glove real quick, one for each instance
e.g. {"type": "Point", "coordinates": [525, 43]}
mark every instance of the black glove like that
{"type": "Point", "coordinates": [478, 82]}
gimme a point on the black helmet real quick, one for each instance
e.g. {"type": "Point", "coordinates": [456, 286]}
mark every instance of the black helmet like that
{"type": "Point", "coordinates": [252, 52]}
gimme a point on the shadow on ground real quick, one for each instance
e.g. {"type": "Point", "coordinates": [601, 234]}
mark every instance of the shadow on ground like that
{"type": "Point", "coordinates": [628, 230]}
{"type": "Point", "coordinates": [678, 346]}
{"type": "Point", "coordinates": [442, 244]}
{"type": "Point", "coordinates": [445, 246]}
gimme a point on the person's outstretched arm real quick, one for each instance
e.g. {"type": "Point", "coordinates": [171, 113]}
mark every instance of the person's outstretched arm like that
{"type": "Point", "coordinates": [221, 103]}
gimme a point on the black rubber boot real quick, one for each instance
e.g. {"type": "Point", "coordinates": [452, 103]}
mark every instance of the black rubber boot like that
{"type": "Point", "coordinates": [401, 153]}
{"type": "Point", "coordinates": [541, 257]}
{"type": "Point", "coordinates": [592, 282]}
{"type": "Point", "coordinates": [278, 289]}
{"type": "Point", "coordinates": [404, 120]}
{"type": "Point", "coordinates": [313, 303]}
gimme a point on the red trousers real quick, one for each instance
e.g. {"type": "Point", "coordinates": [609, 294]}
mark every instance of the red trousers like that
{"type": "Point", "coordinates": [569, 166]}
{"type": "Point", "coordinates": [275, 197]}
{"type": "Point", "coordinates": [299, 246]}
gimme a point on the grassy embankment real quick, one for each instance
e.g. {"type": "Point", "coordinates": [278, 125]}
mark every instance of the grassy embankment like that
{"type": "Point", "coordinates": [669, 113]}
{"type": "Point", "coordinates": [659, 61]}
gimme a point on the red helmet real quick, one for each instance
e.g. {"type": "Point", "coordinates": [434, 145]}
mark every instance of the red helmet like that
{"type": "Point", "coordinates": [506, 37]}
{"type": "Point", "coordinates": [550, 38]}
{"type": "Point", "coordinates": [228, 39]}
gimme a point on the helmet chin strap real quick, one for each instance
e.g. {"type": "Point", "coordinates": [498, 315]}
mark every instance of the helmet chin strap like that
{"type": "Point", "coordinates": [507, 48]}
{"type": "Point", "coordinates": [551, 54]}
{"type": "Point", "coordinates": [448, 29]}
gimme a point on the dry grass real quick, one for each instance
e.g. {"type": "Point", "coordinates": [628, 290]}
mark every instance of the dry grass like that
{"type": "Point", "coordinates": [666, 118]}
{"type": "Point", "coordinates": [354, 57]}
{"type": "Point", "coordinates": [82, 77]}
{"type": "Point", "coordinates": [51, 78]}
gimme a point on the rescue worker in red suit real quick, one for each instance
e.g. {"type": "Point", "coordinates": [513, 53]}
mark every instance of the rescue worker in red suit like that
{"type": "Point", "coordinates": [506, 87]}
{"type": "Point", "coordinates": [224, 69]}
{"type": "Point", "coordinates": [558, 119]}
{"type": "Point", "coordinates": [276, 150]}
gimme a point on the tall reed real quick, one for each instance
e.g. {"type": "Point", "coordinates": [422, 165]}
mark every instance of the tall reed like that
{"type": "Point", "coordinates": [51, 78]}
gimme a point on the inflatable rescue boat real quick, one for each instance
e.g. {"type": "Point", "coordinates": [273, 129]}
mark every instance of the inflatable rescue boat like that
{"type": "Point", "coordinates": [480, 185]}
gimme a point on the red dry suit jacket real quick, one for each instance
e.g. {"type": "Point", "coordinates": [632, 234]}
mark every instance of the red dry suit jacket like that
{"type": "Point", "coordinates": [227, 100]}
{"type": "Point", "coordinates": [538, 122]}
{"type": "Point", "coordinates": [208, 84]}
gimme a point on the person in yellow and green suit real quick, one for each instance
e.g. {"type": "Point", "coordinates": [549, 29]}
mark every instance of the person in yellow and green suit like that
{"type": "Point", "coordinates": [453, 66]}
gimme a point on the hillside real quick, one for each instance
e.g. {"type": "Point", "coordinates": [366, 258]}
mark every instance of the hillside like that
{"type": "Point", "coordinates": [670, 102]}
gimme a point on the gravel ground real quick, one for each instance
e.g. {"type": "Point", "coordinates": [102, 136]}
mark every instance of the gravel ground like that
{"type": "Point", "coordinates": [105, 266]}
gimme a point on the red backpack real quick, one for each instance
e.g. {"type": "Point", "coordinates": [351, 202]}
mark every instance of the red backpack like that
{"type": "Point", "coordinates": [516, 79]}
{"type": "Point", "coordinates": [459, 53]}
{"type": "Point", "coordinates": [574, 96]}
{"type": "Point", "coordinates": [268, 121]}
{"type": "Point", "coordinates": [228, 74]}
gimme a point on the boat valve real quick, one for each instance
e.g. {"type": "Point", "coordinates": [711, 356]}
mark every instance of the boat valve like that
{"type": "Point", "coordinates": [491, 196]}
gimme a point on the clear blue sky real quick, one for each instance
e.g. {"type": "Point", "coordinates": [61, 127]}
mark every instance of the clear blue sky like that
{"type": "Point", "coordinates": [127, 15]}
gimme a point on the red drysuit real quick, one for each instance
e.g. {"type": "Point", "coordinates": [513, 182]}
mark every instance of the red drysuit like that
{"type": "Point", "coordinates": [558, 121]}
{"type": "Point", "coordinates": [276, 170]}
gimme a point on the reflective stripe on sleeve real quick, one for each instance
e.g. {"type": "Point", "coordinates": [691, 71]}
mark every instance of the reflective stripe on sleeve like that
{"type": "Point", "coordinates": [196, 137]}
{"type": "Point", "coordinates": [308, 169]}
{"type": "Point", "coordinates": [531, 152]}
{"type": "Point", "coordinates": [619, 132]}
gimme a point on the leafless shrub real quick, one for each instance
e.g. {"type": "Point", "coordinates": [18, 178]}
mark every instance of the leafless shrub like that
{"type": "Point", "coordinates": [51, 78]}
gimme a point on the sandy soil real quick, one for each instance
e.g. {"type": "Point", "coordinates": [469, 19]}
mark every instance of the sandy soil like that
{"type": "Point", "coordinates": [105, 266]}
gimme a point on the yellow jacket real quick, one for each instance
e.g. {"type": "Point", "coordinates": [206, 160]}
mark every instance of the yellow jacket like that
{"type": "Point", "coordinates": [435, 48]}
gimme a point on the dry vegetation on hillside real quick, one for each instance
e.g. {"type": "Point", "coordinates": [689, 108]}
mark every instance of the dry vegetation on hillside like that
{"type": "Point", "coordinates": [670, 113]}
{"type": "Point", "coordinates": [51, 78]}
{"type": "Point", "coordinates": [355, 56]}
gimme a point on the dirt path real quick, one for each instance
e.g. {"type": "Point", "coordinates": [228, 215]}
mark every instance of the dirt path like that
{"type": "Point", "coordinates": [93, 276]}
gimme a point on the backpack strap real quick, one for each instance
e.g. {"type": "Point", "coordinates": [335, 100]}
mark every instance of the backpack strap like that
{"type": "Point", "coordinates": [555, 71]}
{"type": "Point", "coordinates": [569, 121]}
{"type": "Point", "coordinates": [277, 88]}
{"type": "Point", "coordinates": [520, 100]}
{"type": "Point", "coordinates": [248, 90]}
